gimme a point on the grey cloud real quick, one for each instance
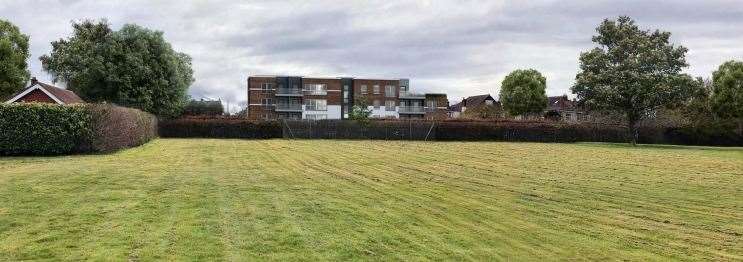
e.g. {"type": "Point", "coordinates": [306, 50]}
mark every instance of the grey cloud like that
{"type": "Point", "coordinates": [458, 47]}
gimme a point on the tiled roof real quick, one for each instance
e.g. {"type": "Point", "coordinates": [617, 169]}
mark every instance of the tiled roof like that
{"type": "Point", "coordinates": [63, 95]}
{"type": "Point", "coordinates": [472, 101]}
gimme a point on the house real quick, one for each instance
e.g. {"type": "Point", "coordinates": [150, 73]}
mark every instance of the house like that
{"type": "Point", "coordinates": [567, 109]}
{"type": "Point", "coordinates": [456, 110]}
{"type": "Point", "coordinates": [317, 98]}
{"type": "Point", "coordinates": [45, 93]}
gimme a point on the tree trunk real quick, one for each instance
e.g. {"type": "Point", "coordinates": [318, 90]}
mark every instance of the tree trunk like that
{"type": "Point", "coordinates": [632, 121]}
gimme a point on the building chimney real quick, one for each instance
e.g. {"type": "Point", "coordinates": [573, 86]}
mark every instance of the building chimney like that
{"type": "Point", "coordinates": [34, 81]}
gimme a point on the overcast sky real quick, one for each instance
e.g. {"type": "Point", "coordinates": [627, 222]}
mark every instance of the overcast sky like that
{"type": "Point", "coordinates": [462, 48]}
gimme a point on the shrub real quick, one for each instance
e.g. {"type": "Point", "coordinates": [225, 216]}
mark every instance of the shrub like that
{"type": "Point", "coordinates": [115, 127]}
{"type": "Point", "coordinates": [42, 129]}
{"type": "Point", "coordinates": [219, 128]}
{"type": "Point", "coordinates": [47, 129]}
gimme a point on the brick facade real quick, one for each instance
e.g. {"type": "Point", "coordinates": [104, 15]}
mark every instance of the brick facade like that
{"type": "Point", "coordinates": [272, 103]}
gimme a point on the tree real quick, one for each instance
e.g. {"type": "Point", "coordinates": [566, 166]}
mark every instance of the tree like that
{"type": "Point", "coordinates": [523, 92]}
{"type": "Point", "coordinates": [632, 71]}
{"type": "Point", "coordinates": [13, 54]}
{"type": "Point", "coordinates": [133, 67]}
{"type": "Point", "coordinates": [727, 92]}
{"type": "Point", "coordinates": [360, 111]}
{"type": "Point", "coordinates": [204, 108]}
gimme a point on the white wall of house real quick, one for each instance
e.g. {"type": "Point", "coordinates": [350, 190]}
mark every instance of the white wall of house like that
{"type": "Point", "coordinates": [382, 112]}
{"type": "Point", "coordinates": [333, 112]}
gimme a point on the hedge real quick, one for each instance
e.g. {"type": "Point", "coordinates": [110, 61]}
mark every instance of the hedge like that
{"type": "Point", "coordinates": [115, 127]}
{"type": "Point", "coordinates": [42, 129]}
{"type": "Point", "coordinates": [219, 128]}
{"type": "Point", "coordinates": [49, 129]}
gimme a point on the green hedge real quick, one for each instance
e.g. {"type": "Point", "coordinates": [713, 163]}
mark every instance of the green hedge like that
{"type": "Point", "coordinates": [48, 129]}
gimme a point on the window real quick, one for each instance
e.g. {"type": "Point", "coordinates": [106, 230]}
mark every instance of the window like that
{"type": "Point", "coordinates": [376, 104]}
{"type": "Point", "coordinates": [431, 104]}
{"type": "Point", "coordinates": [265, 116]}
{"type": "Point", "coordinates": [316, 104]}
{"type": "Point", "coordinates": [376, 89]}
{"type": "Point", "coordinates": [489, 102]}
{"type": "Point", "coordinates": [316, 89]}
{"type": "Point", "coordinates": [363, 89]}
{"type": "Point", "coordinates": [266, 101]}
{"type": "Point", "coordinates": [265, 87]}
{"type": "Point", "coordinates": [345, 94]}
{"type": "Point", "coordinates": [389, 105]}
{"type": "Point", "coordinates": [316, 116]}
{"type": "Point", "coordinates": [389, 91]}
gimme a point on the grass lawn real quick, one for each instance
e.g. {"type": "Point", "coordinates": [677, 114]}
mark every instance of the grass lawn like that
{"type": "Point", "coordinates": [176, 199]}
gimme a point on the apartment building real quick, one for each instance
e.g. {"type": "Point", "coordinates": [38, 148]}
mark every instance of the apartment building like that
{"type": "Point", "coordinates": [315, 98]}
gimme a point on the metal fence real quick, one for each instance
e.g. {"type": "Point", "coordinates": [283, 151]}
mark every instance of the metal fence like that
{"type": "Point", "coordinates": [339, 129]}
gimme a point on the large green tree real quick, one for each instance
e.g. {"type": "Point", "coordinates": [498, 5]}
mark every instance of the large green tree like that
{"type": "Point", "coordinates": [523, 93]}
{"type": "Point", "coordinates": [13, 54]}
{"type": "Point", "coordinates": [133, 66]}
{"type": "Point", "coordinates": [727, 92]}
{"type": "Point", "coordinates": [632, 71]}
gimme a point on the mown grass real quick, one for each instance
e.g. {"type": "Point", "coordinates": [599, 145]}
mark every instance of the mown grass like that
{"type": "Point", "coordinates": [346, 200]}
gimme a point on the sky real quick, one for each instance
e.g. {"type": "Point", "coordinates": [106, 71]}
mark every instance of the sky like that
{"type": "Point", "coordinates": [462, 48]}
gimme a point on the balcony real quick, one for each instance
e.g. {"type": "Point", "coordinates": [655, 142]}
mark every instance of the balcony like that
{"type": "Point", "coordinates": [409, 95]}
{"type": "Point", "coordinates": [288, 92]}
{"type": "Point", "coordinates": [411, 110]}
{"type": "Point", "coordinates": [288, 107]}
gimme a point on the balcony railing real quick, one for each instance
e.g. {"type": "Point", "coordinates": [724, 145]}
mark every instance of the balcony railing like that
{"type": "Point", "coordinates": [411, 110]}
{"type": "Point", "coordinates": [409, 95]}
{"type": "Point", "coordinates": [288, 92]}
{"type": "Point", "coordinates": [288, 107]}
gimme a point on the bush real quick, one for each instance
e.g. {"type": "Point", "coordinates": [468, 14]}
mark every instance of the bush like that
{"type": "Point", "coordinates": [115, 127]}
{"type": "Point", "coordinates": [42, 129]}
{"type": "Point", "coordinates": [48, 129]}
{"type": "Point", "coordinates": [203, 107]}
{"type": "Point", "coordinates": [219, 128]}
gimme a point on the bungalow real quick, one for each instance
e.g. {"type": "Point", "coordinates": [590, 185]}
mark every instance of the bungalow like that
{"type": "Point", "coordinates": [45, 93]}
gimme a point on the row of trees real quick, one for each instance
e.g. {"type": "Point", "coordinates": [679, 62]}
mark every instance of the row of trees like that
{"type": "Point", "coordinates": [133, 67]}
{"type": "Point", "coordinates": [635, 73]}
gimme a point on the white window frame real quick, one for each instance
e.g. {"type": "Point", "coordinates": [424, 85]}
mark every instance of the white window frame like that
{"type": "Point", "coordinates": [316, 104]}
{"type": "Point", "coordinates": [316, 89]}
{"type": "Point", "coordinates": [389, 91]}
{"type": "Point", "coordinates": [364, 89]}
{"type": "Point", "coordinates": [376, 90]}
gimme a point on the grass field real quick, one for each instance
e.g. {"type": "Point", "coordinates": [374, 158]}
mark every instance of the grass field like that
{"type": "Point", "coordinates": [314, 200]}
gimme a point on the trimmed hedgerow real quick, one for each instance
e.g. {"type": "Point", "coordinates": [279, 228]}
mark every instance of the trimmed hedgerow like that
{"type": "Point", "coordinates": [42, 129]}
{"type": "Point", "coordinates": [48, 129]}
{"type": "Point", "coordinates": [219, 128]}
{"type": "Point", "coordinates": [115, 127]}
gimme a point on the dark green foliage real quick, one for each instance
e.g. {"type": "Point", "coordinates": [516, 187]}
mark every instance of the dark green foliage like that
{"type": "Point", "coordinates": [13, 54]}
{"type": "Point", "coordinates": [219, 128]}
{"type": "Point", "coordinates": [523, 92]}
{"type": "Point", "coordinates": [553, 115]}
{"type": "Point", "coordinates": [727, 94]}
{"type": "Point", "coordinates": [203, 107]}
{"type": "Point", "coordinates": [632, 71]}
{"type": "Point", "coordinates": [49, 129]}
{"type": "Point", "coordinates": [42, 129]}
{"type": "Point", "coordinates": [134, 67]}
